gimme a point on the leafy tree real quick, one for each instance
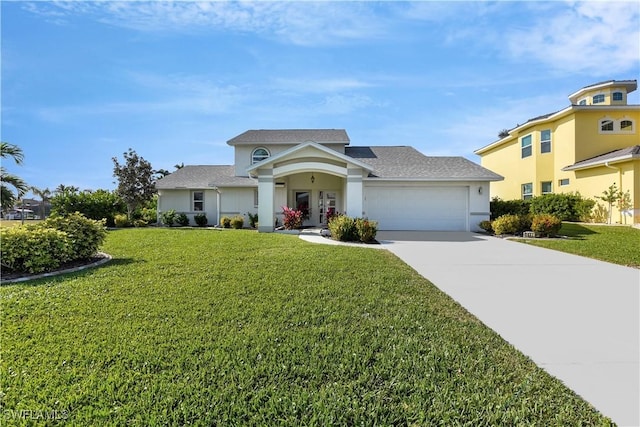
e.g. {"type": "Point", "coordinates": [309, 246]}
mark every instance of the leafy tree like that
{"type": "Point", "coordinates": [624, 203]}
{"type": "Point", "coordinates": [503, 133]}
{"type": "Point", "coordinates": [7, 180]}
{"type": "Point", "coordinates": [44, 195]}
{"type": "Point", "coordinates": [610, 195]}
{"type": "Point", "coordinates": [135, 181]}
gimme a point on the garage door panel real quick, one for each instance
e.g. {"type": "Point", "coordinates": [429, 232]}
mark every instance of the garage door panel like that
{"type": "Point", "coordinates": [415, 208]}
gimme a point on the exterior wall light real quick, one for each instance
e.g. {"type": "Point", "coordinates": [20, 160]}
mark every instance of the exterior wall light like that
{"type": "Point", "coordinates": [313, 179]}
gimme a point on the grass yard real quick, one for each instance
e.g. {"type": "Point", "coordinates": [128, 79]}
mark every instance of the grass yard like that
{"type": "Point", "coordinates": [207, 327]}
{"type": "Point", "coordinates": [615, 244]}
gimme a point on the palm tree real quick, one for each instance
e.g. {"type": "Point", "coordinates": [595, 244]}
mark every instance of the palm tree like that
{"type": "Point", "coordinates": [44, 194]}
{"type": "Point", "coordinates": [8, 198]}
{"type": "Point", "coordinates": [61, 189]}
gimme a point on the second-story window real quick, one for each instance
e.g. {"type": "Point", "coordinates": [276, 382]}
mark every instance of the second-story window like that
{"type": "Point", "coordinates": [626, 126]}
{"type": "Point", "coordinates": [617, 96]}
{"type": "Point", "coordinates": [526, 146]}
{"type": "Point", "coordinates": [598, 99]}
{"type": "Point", "coordinates": [545, 141]}
{"type": "Point", "coordinates": [258, 155]}
{"type": "Point", "coordinates": [606, 125]}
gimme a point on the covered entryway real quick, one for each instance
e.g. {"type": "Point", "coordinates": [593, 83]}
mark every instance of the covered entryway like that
{"type": "Point", "coordinates": [444, 208]}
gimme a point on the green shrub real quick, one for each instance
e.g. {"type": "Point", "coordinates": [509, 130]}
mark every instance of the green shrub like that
{"type": "Point", "coordinates": [343, 228]}
{"type": "Point", "coordinates": [486, 226]}
{"type": "Point", "coordinates": [237, 222]}
{"type": "Point", "coordinates": [565, 206]}
{"type": "Point", "coordinates": [121, 220]}
{"type": "Point", "coordinates": [225, 222]}
{"type": "Point", "coordinates": [168, 217]}
{"type": "Point", "coordinates": [500, 207]}
{"type": "Point", "coordinates": [149, 215]}
{"type": "Point", "coordinates": [253, 220]}
{"type": "Point", "coordinates": [182, 219]}
{"type": "Point", "coordinates": [86, 235]}
{"type": "Point", "coordinates": [34, 249]}
{"type": "Point", "coordinates": [507, 224]}
{"type": "Point", "coordinates": [584, 209]}
{"type": "Point", "coordinates": [96, 204]}
{"type": "Point", "coordinates": [366, 229]}
{"type": "Point", "coordinates": [200, 219]}
{"type": "Point", "coordinates": [546, 225]}
{"type": "Point", "coordinates": [140, 223]}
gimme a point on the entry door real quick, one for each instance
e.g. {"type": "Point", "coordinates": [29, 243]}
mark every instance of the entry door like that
{"type": "Point", "coordinates": [327, 202]}
{"type": "Point", "coordinates": [303, 203]}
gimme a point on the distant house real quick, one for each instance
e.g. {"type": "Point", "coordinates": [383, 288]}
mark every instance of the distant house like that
{"type": "Point", "coordinates": [585, 147]}
{"type": "Point", "coordinates": [315, 170]}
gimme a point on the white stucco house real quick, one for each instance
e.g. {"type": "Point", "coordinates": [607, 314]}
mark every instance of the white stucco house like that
{"type": "Point", "coordinates": [317, 171]}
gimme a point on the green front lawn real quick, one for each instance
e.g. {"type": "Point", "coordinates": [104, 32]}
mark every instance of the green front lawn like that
{"type": "Point", "coordinates": [616, 244]}
{"type": "Point", "coordinates": [207, 327]}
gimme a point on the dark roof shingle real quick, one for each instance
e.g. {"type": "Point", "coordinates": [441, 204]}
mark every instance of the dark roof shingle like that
{"type": "Point", "coordinates": [290, 136]}
{"type": "Point", "coordinates": [204, 176]}
{"type": "Point", "coordinates": [404, 162]}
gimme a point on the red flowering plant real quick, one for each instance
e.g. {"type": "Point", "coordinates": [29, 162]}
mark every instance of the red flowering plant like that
{"type": "Point", "coordinates": [292, 218]}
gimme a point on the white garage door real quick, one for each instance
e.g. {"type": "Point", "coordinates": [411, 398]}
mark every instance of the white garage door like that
{"type": "Point", "coordinates": [418, 208]}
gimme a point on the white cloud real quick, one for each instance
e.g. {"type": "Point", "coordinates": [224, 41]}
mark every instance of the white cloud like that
{"type": "Point", "coordinates": [601, 38]}
{"type": "Point", "coordinates": [319, 85]}
{"type": "Point", "coordinates": [300, 23]}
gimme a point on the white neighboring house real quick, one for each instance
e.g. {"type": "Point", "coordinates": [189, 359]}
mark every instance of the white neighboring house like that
{"type": "Point", "coordinates": [316, 170]}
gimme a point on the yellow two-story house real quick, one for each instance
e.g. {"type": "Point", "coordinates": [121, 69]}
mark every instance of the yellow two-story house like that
{"type": "Point", "coordinates": [585, 147]}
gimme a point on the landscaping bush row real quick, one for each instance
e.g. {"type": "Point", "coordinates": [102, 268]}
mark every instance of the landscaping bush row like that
{"type": "Point", "coordinates": [544, 225]}
{"type": "Point", "coordinates": [565, 206]}
{"type": "Point", "coordinates": [347, 229]}
{"type": "Point", "coordinates": [41, 247]}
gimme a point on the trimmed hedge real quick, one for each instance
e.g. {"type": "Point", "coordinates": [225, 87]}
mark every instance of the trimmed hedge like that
{"type": "Point", "coordinates": [86, 235]}
{"type": "Point", "coordinates": [33, 249]}
{"type": "Point", "coordinates": [45, 246]}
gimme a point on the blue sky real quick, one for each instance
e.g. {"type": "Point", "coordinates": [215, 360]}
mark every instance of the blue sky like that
{"type": "Point", "coordinates": [84, 81]}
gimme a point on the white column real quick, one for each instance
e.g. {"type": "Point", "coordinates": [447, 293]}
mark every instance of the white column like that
{"type": "Point", "coordinates": [266, 192]}
{"type": "Point", "coordinates": [353, 197]}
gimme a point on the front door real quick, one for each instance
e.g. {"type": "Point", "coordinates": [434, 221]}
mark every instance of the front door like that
{"type": "Point", "coordinates": [327, 202]}
{"type": "Point", "coordinates": [303, 203]}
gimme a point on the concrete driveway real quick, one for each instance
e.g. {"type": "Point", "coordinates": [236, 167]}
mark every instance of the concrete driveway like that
{"type": "Point", "coordinates": [577, 318]}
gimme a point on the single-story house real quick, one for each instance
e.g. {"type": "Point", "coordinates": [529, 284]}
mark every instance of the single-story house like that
{"type": "Point", "coordinates": [316, 171]}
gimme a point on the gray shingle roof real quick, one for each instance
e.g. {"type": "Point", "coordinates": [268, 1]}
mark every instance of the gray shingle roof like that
{"type": "Point", "coordinates": [403, 162]}
{"type": "Point", "coordinates": [204, 176]}
{"type": "Point", "coordinates": [290, 136]}
{"type": "Point", "coordinates": [628, 153]}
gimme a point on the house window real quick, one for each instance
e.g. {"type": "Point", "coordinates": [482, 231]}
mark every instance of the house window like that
{"type": "Point", "coordinates": [598, 99]}
{"type": "Point", "coordinates": [198, 200]}
{"type": "Point", "coordinates": [255, 198]}
{"type": "Point", "coordinates": [546, 187]}
{"type": "Point", "coordinates": [258, 155]}
{"type": "Point", "coordinates": [545, 141]}
{"type": "Point", "coordinates": [606, 125]}
{"type": "Point", "coordinates": [617, 96]}
{"type": "Point", "coordinates": [582, 102]}
{"type": "Point", "coordinates": [626, 126]}
{"type": "Point", "coordinates": [526, 146]}
{"type": "Point", "coordinates": [563, 182]}
{"type": "Point", "coordinates": [527, 190]}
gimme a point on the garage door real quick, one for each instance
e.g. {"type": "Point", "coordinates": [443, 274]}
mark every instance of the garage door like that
{"type": "Point", "coordinates": [418, 208]}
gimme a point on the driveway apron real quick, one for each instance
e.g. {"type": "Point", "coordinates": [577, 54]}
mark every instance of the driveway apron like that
{"type": "Point", "coordinates": [577, 318]}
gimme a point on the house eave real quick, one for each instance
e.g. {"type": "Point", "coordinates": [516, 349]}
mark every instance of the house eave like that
{"type": "Point", "coordinates": [555, 116]}
{"type": "Point", "coordinates": [600, 163]}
